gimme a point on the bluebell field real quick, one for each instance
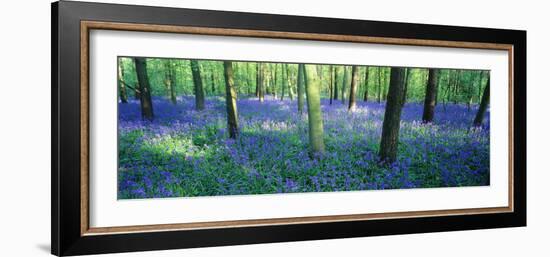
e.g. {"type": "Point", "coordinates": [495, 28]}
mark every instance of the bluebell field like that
{"type": "Point", "coordinates": [185, 153]}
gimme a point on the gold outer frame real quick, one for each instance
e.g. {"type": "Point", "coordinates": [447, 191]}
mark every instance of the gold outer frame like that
{"type": "Point", "coordinates": [86, 26]}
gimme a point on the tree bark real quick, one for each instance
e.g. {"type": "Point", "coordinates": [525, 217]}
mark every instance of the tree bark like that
{"type": "Point", "coordinates": [315, 119]}
{"type": "Point", "coordinates": [392, 116]}
{"type": "Point", "coordinates": [483, 105]}
{"type": "Point", "coordinates": [197, 82]}
{"type": "Point", "coordinates": [121, 83]}
{"type": "Point", "coordinates": [353, 88]}
{"type": "Point", "coordinates": [231, 101]}
{"type": "Point", "coordinates": [144, 89]}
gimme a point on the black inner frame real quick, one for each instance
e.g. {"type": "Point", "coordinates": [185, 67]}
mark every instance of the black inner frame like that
{"type": "Point", "coordinates": [65, 167]}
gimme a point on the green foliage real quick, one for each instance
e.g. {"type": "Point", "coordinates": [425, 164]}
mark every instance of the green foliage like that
{"type": "Point", "coordinates": [457, 86]}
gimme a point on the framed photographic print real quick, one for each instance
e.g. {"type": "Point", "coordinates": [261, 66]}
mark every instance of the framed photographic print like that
{"type": "Point", "coordinates": [177, 128]}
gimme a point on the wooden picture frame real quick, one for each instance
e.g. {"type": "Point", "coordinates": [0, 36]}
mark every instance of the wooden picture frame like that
{"type": "Point", "coordinates": [71, 25]}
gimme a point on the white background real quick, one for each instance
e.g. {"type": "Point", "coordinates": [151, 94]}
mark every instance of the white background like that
{"type": "Point", "coordinates": [106, 211]}
{"type": "Point", "coordinates": [25, 128]}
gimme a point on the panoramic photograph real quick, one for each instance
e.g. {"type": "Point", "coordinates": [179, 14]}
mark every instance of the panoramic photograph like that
{"type": "Point", "coordinates": [189, 127]}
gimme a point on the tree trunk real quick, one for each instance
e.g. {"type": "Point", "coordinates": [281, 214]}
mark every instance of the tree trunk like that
{"type": "Point", "coordinates": [231, 100]}
{"type": "Point", "coordinates": [407, 74]}
{"type": "Point", "coordinates": [169, 80]}
{"type": "Point", "coordinates": [283, 83]}
{"type": "Point", "coordinates": [353, 88]}
{"type": "Point", "coordinates": [429, 99]}
{"type": "Point", "coordinates": [288, 84]}
{"type": "Point", "coordinates": [379, 84]}
{"type": "Point", "coordinates": [213, 84]}
{"type": "Point", "coordinates": [197, 82]}
{"type": "Point", "coordinates": [144, 89]}
{"type": "Point", "coordinates": [366, 94]}
{"type": "Point", "coordinates": [331, 85]}
{"type": "Point", "coordinates": [392, 116]}
{"type": "Point", "coordinates": [258, 76]}
{"type": "Point", "coordinates": [300, 84]}
{"type": "Point", "coordinates": [479, 86]}
{"type": "Point", "coordinates": [261, 82]}
{"type": "Point", "coordinates": [121, 83]}
{"type": "Point", "coordinates": [483, 105]}
{"type": "Point", "coordinates": [336, 80]}
{"type": "Point", "coordinates": [315, 119]}
{"type": "Point", "coordinates": [344, 84]}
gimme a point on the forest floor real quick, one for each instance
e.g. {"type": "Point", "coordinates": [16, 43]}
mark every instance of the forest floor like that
{"type": "Point", "coordinates": [184, 152]}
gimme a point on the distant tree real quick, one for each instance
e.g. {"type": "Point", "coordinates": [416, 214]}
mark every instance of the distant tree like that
{"type": "Point", "coordinates": [287, 82]}
{"type": "Point", "coordinates": [169, 80]}
{"type": "Point", "coordinates": [336, 82]}
{"type": "Point", "coordinates": [231, 100]}
{"type": "Point", "coordinates": [353, 88]}
{"type": "Point", "coordinates": [315, 119]}
{"type": "Point", "coordinates": [213, 82]}
{"type": "Point", "coordinates": [366, 94]}
{"type": "Point", "coordinates": [121, 83]}
{"type": "Point", "coordinates": [283, 82]}
{"type": "Point", "coordinates": [258, 77]}
{"type": "Point", "coordinates": [345, 81]}
{"type": "Point", "coordinates": [144, 89]}
{"type": "Point", "coordinates": [407, 75]}
{"type": "Point", "coordinates": [379, 84]}
{"type": "Point", "coordinates": [483, 105]}
{"type": "Point", "coordinates": [392, 116]}
{"type": "Point", "coordinates": [300, 84]}
{"type": "Point", "coordinates": [331, 85]}
{"type": "Point", "coordinates": [261, 82]}
{"type": "Point", "coordinates": [197, 85]}
{"type": "Point", "coordinates": [431, 95]}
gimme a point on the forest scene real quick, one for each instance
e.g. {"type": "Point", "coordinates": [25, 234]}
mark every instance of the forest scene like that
{"type": "Point", "coordinates": [216, 127]}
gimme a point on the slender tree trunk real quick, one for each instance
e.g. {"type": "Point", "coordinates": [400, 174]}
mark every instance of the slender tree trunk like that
{"type": "Point", "coordinates": [407, 74]}
{"type": "Point", "coordinates": [456, 87]}
{"type": "Point", "coordinates": [169, 81]}
{"type": "Point", "coordinates": [301, 89]}
{"type": "Point", "coordinates": [353, 88]}
{"type": "Point", "coordinates": [429, 99]}
{"type": "Point", "coordinates": [288, 84]}
{"type": "Point", "coordinates": [392, 116]}
{"type": "Point", "coordinates": [121, 83]}
{"type": "Point", "coordinates": [315, 119]}
{"type": "Point", "coordinates": [231, 100]}
{"type": "Point", "coordinates": [261, 84]}
{"type": "Point", "coordinates": [197, 82]}
{"type": "Point", "coordinates": [283, 86]}
{"type": "Point", "coordinates": [483, 105]}
{"type": "Point", "coordinates": [344, 84]}
{"type": "Point", "coordinates": [213, 84]}
{"type": "Point", "coordinates": [480, 91]}
{"type": "Point", "coordinates": [379, 84]}
{"type": "Point", "coordinates": [144, 89]}
{"type": "Point", "coordinates": [331, 85]}
{"type": "Point", "coordinates": [336, 80]}
{"type": "Point", "coordinates": [366, 94]}
{"type": "Point", "coordinates": [258, 76]}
